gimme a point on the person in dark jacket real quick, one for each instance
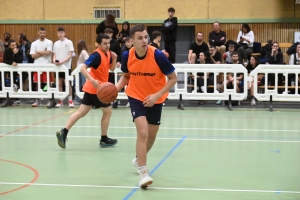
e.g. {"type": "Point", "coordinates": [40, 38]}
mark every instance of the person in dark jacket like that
{"type": "Point", "coordinates": [218, 38]}
{"type": "Point", "coordinates": [275, 57]}
{"type": "Point", "coordinates": [25, 45]}
{"type": "Point", "coordinates": [6, 37]}
{"type": "Point", "coordinates": [109, 22]}
{"type": "Point", "coordinates": [124, 33]}
{"type": "Point", "coordinates": [169, 29]}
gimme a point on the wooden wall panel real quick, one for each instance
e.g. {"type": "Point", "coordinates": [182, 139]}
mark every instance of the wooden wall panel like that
{"type": "Point", "coordinates": [280, 32]}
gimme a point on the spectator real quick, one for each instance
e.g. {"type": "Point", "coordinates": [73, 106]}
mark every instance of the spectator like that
{"type": "Point", "coordinates": [218, 38]}
{"type": "Point", "coordinates": [169, 29]}
{"type": "Point", "coordinates": [227, 55]}
{"type": "Point", "coordinates": [2, 48]}
{"type": "Point", "coordinates": [156, 38]}
{"type": "Point", "coordinates": [214, 57]}
{"type": "Point", "coordinates": [294, 60]}
{"type": "Point", "coordinates": [245, 41]}
{"type": "Point", "coordinates": [62, 54]}
{"type": "Point", "coordinates": [109, 22]}
{"type": "Point", "coordinates": [41, 51]}
{"type": "Point", "coordinates": [124, 33]}
{"type": "Point", "coordinates": [7, 37]}
{"type": "Point", "coordinates": [127, 46]}
{"type": "Point", "coordinates": [275, 56]}
{"type": "Point", "coordinates": [25, 45]}
{"type": "Point", "coordinates": [196, 48]}
{"type": "Point", "coordinates": [13, 56]}
{"type": "Point", "coordinates": [253, 63]}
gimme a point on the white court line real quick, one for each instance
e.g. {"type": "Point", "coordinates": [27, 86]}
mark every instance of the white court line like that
{"type": "Point", "coordinates": [157, 188]}
{"type": "Point", "coordinates": [192, 139]}
{"type": "Point", "coordinates": [168, 128]}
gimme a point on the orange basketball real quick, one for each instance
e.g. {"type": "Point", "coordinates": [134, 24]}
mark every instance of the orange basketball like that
{"type": "Point", "coordinates": [107, 92]}
{"type": "Point", "coordinates": [166, 54]}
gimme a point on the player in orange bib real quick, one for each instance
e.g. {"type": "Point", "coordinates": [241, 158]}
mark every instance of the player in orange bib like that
{"type": "Point", "coordinates": [145, 69]}
{"type": "Point", "coordinates": [100, 62]}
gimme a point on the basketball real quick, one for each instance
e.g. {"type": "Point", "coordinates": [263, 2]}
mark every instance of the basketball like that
{"type": "Point", "coordinates": [166, 54]}
{"type": "Point", "coordinates": [107, 92]}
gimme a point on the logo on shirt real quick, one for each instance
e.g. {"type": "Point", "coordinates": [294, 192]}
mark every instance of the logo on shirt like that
{"type": "Point", "coordinates": [142, 74]}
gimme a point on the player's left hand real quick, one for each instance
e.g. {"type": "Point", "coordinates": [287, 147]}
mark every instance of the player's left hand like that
{"type": "Point", "coordinates": [150, 100]}
{"type": "Point", "coordinates": [113, 55]}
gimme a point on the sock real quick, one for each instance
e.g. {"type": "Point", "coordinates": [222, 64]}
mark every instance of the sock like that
{"type": "Point", "coordinates": [142, 168]}
{"type": "Point", "coordinates": [252, 97]}
{"type": "Point", "coordinates": [65, 131]}
{"type": "Point", "coordinates": [103, 138]}
{"type": "Point", "coordinates": [70, 98]}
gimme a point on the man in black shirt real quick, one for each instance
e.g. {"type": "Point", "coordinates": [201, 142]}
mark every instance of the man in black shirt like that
{"type": "Point", "coordinates": [196, 48]}
{"type": "Point", "coordinates": [156, 38]}
{"type": "Point", "coordinates": [214, 57]}
{"type": "Point", "coordinates": [218, 38]}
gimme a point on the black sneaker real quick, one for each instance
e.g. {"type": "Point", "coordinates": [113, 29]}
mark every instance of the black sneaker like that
{"type": "Point", "coordinates": [108, 142]}
{"type": "Point", "coordinates": [61, 139]}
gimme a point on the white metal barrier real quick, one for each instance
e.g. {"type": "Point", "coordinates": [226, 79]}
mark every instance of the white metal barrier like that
{"type": "Point", "coordinates": [29, 68]}
{"type": "Point", "coordinates": [272, 91]}
{"type": "Point", "coordinates": [182, 89]}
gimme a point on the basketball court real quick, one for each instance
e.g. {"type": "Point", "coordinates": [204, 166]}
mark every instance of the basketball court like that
{"type": "Point", "coordinates": [200, 153]}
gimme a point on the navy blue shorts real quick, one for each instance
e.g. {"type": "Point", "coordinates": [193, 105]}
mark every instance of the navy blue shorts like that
{"type": "Point", "coordinates": [152, 114]}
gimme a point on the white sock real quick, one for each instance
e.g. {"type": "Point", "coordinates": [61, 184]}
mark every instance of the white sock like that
{"type": "Point", "coordinates": [142, 168]}
{"type": "Point", "coordinates": [70, 98]}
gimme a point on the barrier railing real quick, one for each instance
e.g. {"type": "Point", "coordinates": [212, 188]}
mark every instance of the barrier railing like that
{"type": "Point", "coordinates": [280, 83]}
{"type": "Point", "coordinates": [20, 70]}
{"type": "Point", "coordinates": [183, 90]}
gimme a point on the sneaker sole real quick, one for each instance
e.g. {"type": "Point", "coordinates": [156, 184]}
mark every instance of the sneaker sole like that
{"type": "Point", "coordinates": [144, 185]}
{"type": "Point", "coordinates": [59, 142]}
{"type": "Point", "coordinates": [108, 145]}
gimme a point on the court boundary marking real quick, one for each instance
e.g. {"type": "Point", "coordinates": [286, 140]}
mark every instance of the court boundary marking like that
{"type": "Point", "coordinates": [24, 185]}
{"type": "Point", "coordinates": [157, 188]}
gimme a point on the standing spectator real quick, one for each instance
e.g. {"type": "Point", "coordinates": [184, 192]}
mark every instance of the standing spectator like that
{"type": "Point", "coordinates": [41, 51]}
{"type": "Point", "coordinates": [83, 56]}
{"type": "Point", "coordinates": [196, 48]}
{"type": "Point", "coordinates": [254, 61]}
{"type": "Point", "coordinates": [124, 33]}
{"type": "Point", "coordinates": [25, 44]}
{"type": "Point", "coordinates": [245, 41]}
{"type": "Point", "coordinates": [109, 22]}
{"type": "Point", "coordinates": [62, 54]}
{"type": "Point", "coordinates": [218, 38]}
{"type": "Point", "coordinates": [169, 29]}
{"type": "Point", "coordinates": [13, 56]}
{"type": "Point", "coordinates": [1, 51]}
{"type": "Point", "coordinates": [7, 37]}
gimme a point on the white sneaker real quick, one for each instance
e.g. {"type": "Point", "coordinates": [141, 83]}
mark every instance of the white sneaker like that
{"type": "Point", "coordinates": [253, 103]}
{"type": "Point", "coordinates": [127, 105]}
{"type": "Point", "coordinates": [48, 104]}
{"type": "Point", "coordinates": [71, 104]}
{"type": "Point", "coordinates": [219, 102]}
{"type": "Point", "coordinates": [15, 88]}
{"type": "Point", "coordinates": [135, 164]}
{"type": "Point", "coordinates": [59, 104]}
{"type": "Point", "coordinates": [145, 179]}
{"type": "Point", "coordinates": [36, 103]}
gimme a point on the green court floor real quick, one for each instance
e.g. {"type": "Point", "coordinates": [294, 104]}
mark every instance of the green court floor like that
{"type": "Point", "coordinates": [200, 153]}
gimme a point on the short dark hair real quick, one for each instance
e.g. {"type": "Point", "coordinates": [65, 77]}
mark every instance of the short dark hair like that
{"type": "Point", "coordinates": [23, 36]}
{"type": "Point", "coordinates": [60, 29]}
{"type": "Point", "coordinates": [127, 39]}
{"type": "Point", "coordinates": [108, 30]}
{"type": "Point", "coordinates": [10, 41]}
{"type": "Point", "coordinates": [100, 37]}
{"type": "Point", "coordinates": [212, 46]}
{"type": "Point", "coordinates": [235, 53]}
{"type": "Point", "coordinates": [6, 33]}
{"type": "Point", "coordinates": [171, 9]}
{"type": "Point", "coordinates": [137, 28]}
{"type": "Point", "coordinates": [155, 34]}
{"type": "Point", "coordinates": [42, 29]}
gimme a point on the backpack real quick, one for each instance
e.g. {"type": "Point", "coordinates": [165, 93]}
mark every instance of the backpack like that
{"type": "Point", "coordinates": [292, 49]}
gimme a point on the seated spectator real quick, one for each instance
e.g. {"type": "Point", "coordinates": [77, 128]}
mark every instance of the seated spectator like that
{"type": "Point", "coordinates": [128, 45]}
{"type": "Point", "coordinates": [245, 41]}
{"type": "Point", "coordinates": [6, 37]}
{"type": "Point", "coordinates": [253, 63]}
{"type": "Point", "coordinates": [156, 38]}
{"type": "Point", "coordinates": [294, 60]}
{"type": "Point", "coordinates": [124, 33]}
{"type": "Point", "coordinates": [214, 57]}
{"type": "Point", "coordinates": [196, 48]}
{"type": "Point", "coordinates": [218, 38]}
{"type": "Point", "coordinates": [275, 57]}
{"type": "Point", "coordinates": [230, 77]}
{"type": "Point", "coordinates": [227, 55]}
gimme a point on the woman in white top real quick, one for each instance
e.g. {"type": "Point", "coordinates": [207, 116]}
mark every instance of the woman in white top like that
{"type": "Point", "coordinates": [245, 40]}
{"type": "Point", "coordinates": [83, 56]}
{"type": "Point", "coordinates": [294, 60]}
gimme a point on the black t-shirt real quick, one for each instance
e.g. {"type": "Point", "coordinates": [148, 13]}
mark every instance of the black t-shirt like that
{"type": "Point", "coordinates": [216, 57]}
{"type": "Point", "coordinates": [154, 45]}
{"type": "Point", "coordinates": [197, 49]}
{"type": "Point", "coordinates": [249, 68]}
